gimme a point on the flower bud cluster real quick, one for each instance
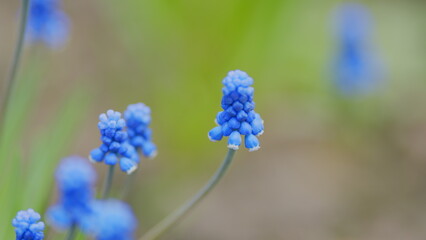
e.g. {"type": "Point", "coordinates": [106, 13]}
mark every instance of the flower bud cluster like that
{"type": "Point", "coordinates": [115, 147]}
{"type": "Point", "coordinates": [238, 117]}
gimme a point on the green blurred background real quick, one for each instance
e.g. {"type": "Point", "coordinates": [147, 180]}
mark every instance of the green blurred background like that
{"type": "Point", "coordinates": [330, 166]}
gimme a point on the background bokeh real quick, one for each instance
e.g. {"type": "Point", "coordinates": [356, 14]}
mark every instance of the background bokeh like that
{"type": "Point", "coordinates": [331, 166]}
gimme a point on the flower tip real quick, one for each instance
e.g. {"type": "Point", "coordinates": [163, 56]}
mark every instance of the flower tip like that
{"type": "Point", "coordinates": [92, 160]}
{"type": "Point", "coordinates": [210, 138]}
{"type": "Point", "coordinates": [215, 134]}
{"type": "Point", "coordinates": [260, 133]}
{"type": "Point", "coordinates": [153, 154]}
{"type": "Point", "coordinates": [233, 147]}
{"type": "Point", "coordinates": [132, 169]}
{"type": "Point", "coordinates": [254, 149]}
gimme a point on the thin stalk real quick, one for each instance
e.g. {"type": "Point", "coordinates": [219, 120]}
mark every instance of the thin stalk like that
{"type": "Point", "coordinates": [108, 182]}
{"type": "Point", "coordinates": [71, 233]}
{"type": "Point", "coordinates": [128, 185]}
{"type": "Point", "coordinates": [10, 82]}
{"type": "Point", "coordinates": [171, 219]}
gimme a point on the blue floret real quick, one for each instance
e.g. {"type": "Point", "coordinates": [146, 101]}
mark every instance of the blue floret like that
{"type": "Point", "coordinates": [115, 145]}
{"type": "Point", "coordinates": [356, 68]}
{"type": "Point", "coordinates": [47, 23]}
{"type": "Point", "coordinates": [138, 118]}
{"type": "Point", "coordinates": [238, 117]}
{"type": "Point", "coordinates": [28, 226]}
{"type": "Point", "coordinates": [75, 179]}
{"type": "Point", "coordinates": [110, 220]}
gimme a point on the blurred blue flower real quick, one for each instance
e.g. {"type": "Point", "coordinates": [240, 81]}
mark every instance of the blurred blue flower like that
{"type": "Point", "coordinates": [47, 23]}
{"type": "Point", "coordinates": [28, 226]}
{"type": "Point", "coordinates": [356, 68]}
{"type": "Point", "coordinates": [75, 179]}
{"type": "Point", "coordinates": [115, 148]}
{"type": "Point", "coordinates": [238, 116]}
{"type": "Point", "coordinates": [111, 220]}
{"type": "Point", "coordinates": [138, 118]}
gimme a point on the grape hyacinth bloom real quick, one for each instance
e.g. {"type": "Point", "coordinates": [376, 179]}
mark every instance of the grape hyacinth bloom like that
{"type": "Point", "coordinates": [115, 147]}
{"type": "Point", "coordinates": [238, 116]}
{"type": "Point", "coordinates": [47, 23]}
{"type": "Point", "coordinates": [111, 220]}
{"type": "Point", "coordinates": [28, 225]}
{"type": "Point", "coordinates": [75, 179]}
{"type": "Point", "coordinates": [356, 68]}
{"type": "Point", "coordinates": [138, 118]}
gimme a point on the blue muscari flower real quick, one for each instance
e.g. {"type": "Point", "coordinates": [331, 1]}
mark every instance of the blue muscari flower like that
{"type": "Point", "coordinates": [28, 225]}
{"type": "Point", "coordinates": [238, 116]}
{"type": "Point", "coordinates": [111, 220]}
{"type": "Point", "coordinates": [138, 118]}
{"type": "Point", "coordinates": [75, 179]}
{"type": "Point", "coordinates": [115, 147]}
{"type": "Point", "coordinates": [47, 23]}
{"type": "Point", "coordinates": [356, 69]}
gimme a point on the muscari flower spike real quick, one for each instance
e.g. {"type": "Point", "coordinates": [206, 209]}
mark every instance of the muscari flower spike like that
{"type": "Point", "coordinates": [28, 225]}
{"type": "Point", "coordinates": [111, 220]}
{"type": "Point", "coordinates": [75, 179]}
{"type": "Point", "coordinates": [356, 68]}
{"type": "Point", "coordinates": [138, 118]}
{"type": "Point", "coordinates": [47, 23]}
{"type": "Point", "coordinates": [115, 147]}
{"type": "Point", "coordinates": [238, 116]}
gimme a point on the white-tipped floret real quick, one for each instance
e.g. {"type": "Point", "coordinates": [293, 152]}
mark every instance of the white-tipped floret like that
{"type": "Point", "coordinates": [254, 149]}
{"type": "Point", "coordinates": [210, 138]}
{"type": "Point", "coordinates": [91, 159]}
{"type": "Point", "coordinates": [232, 146]}
{"type": "Point", "coordinates": [132, 169]}
{"type": "Point", "coordinates": [153, 154]}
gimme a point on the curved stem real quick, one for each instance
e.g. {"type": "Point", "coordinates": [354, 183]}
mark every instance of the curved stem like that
{"type": "Point", "coordinates": [71, 233]}
{"type": "Point", "coordinates": [167, 222]}
{"type": "Point", "coordinates": [10, 82]}
{"type": "Point", "coordinates": [108, 182]}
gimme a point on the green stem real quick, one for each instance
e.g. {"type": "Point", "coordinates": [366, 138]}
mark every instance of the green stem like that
{"type": "Point", "coordinates": [10, 82]}
{"type": "Point", "coordinates": [71, 232]}
{"type": "Point", "coordinates": [128, 185]}
{"type": "Point", "coordinates": [108, 182]}
{"type": "Point", "coordinates": [171, 219]}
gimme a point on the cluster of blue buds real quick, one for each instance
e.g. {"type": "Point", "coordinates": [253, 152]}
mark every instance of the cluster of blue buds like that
{"type": "Point", "coordinates": [111, 220]}
{"type": "Point", "coordinates": [47, 23]}
{"type": "Point", "coordinates": [238, 116]}
{"type": "Point", "coordinates": [138, 118]}
{"type": "Point", "coordinates": [356, 68]}
{"type": "Point", "coordinates": [75, 178]}
{"type": "Point", "coordinates": [115, 147]}
{"type": "Point", "coordinates": [28, 226]}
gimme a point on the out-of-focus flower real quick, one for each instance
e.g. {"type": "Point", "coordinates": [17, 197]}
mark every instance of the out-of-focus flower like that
{"type": "Point", "coordinates": [28, 225]}
{"type": "Point", "coordinates": [110, 220]}
{"type": "Point", "coordinates": [75, 179]}
{"type": "Point", "coordinates": [47, 23]}
{"type": "Point", "coordinates": [238, 116]}
{"type": "Point", "coordinates": [138, 118]}
{"type": "Point", "coordinates": [115, 148]}
{"type": "Point", "coordinates": [356, 68]}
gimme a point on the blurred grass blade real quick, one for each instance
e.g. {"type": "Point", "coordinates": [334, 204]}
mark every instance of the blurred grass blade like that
{"type": "Point", "coordinates": [49, 148]}
{"type": "Point", "coordinates": [21, 103]}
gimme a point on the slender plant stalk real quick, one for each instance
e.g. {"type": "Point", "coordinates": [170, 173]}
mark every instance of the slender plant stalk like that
{"type": "Point", "coordinates": [128, 185]}
{"type": "Point", "coordinates": [72, 232]}
{"type": "Point", "coordinates": [167, 222]}
{"type": "Point", "coordinates": [108, 182]}
{"type": "Point", "coordinates": [10, 82]}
